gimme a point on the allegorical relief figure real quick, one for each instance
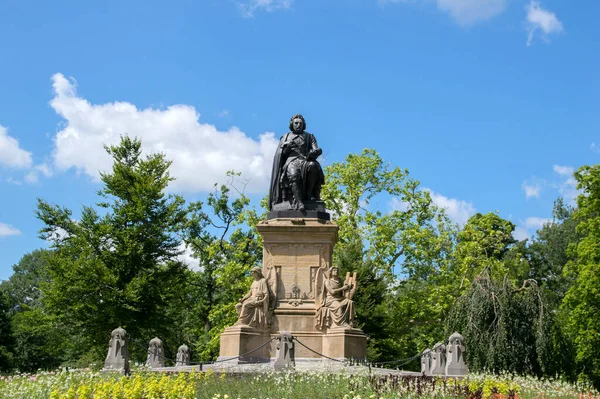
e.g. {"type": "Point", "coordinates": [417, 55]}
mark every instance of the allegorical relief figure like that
{"type": "Point", "coordinates": [253, 308]}
{"type": "Point", "coordinates": [334, 299]}
{"type": "Point", "coordinates": [297, 176]}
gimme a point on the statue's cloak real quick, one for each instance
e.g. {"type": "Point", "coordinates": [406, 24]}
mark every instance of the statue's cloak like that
{"type": "Point", "coordinates": [279, 163]}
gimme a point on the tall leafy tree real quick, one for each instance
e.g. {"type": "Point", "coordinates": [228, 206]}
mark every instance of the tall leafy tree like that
{"type": "Point", "coordinates": [222, 236]}
{"type": "Point", "coordinates": [39, 341]}
{"type": "Point", "coordinates": [549, 251]}
{"type": "Point", "coordinates": [502, 311]}
{"type": "Point", "coordinates": [398, 251]}
{"type": "Point", "coordinates": [582, 300]}
{"type": "Point", "coordinates": [6, 336]}
{"type": "Point", "coordinates": [117, 264]}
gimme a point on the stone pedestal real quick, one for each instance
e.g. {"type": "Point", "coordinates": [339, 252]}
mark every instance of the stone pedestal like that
{"type": "Point", "coordinates": [295, 248]}
{"type": "Point", "coordinates": [345, 343]}
{"type": "Point", "coordinates": [239, 340]}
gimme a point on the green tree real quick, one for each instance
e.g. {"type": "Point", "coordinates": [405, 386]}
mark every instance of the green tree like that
{"type": "Point", "coordinates": [117, 264]}
{"type": "Point", "coordinates": [38, 341]}
{"type": "Point", "coordinates": [222, 236]}
{"type": "Point", "coordinates": [582, 300]}
{"type": "Point", "coordinates": [6, 336]}
{"type": "Point", "coordinates": [549, 251]}
{"type": "Point", "coordinates": [501, 323]}
{"type": "Point", "coordinates": [482, 244]}
{"type": "Point", "coordinates": [399, 253]}
{"type": "Point", "coordinates": [501, 311]}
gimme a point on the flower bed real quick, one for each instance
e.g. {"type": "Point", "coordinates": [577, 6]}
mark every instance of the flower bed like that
{"type": "Point", "coordinates": [86, 384]}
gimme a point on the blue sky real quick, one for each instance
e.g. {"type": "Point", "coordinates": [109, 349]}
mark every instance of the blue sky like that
{"type": "Point", "coordinates": [489, 103]}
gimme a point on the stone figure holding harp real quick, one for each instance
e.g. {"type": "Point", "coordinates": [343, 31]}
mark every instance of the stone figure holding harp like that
{"type": "Point", "coordinates": [334, 299]}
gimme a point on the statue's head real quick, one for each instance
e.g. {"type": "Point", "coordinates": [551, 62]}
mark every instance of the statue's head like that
{"type": "Point", "coordinates": [334, 271]}
{"type": "Point", "coordinates": [297, 123]}
{"type": "Point", "coordinates": [257, 273]}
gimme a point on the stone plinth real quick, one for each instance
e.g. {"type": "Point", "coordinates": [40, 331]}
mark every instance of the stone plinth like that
{"type": "Point", "coordinates": [239, 340]}
{"type": "Point", "coordinates": [348, 343]}
{"type": "Point", "coordinates": [295, 248]}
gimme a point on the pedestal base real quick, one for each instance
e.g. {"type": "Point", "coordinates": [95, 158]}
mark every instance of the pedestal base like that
{"type": "Point", "coordinates": [239, 340]}
{"type": "Point", "coordinates": [345, 343]}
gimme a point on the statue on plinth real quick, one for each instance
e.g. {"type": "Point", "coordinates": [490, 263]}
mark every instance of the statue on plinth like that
{"type": "Point", "coordinates": [118, 355]}
{"type": "Point", "coordinates": [297, 176]}
{"type": "Point", "coordinates": [334, 299]}
{"type": "Point", "coordinates": [253, 308]}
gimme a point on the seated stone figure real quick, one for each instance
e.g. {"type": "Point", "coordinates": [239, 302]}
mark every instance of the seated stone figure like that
{"type": "Point", "coordinates": [334, 300]}
{"type": "Point", "coordinates": [297, 176]}
{"type": "Point", "coordinates": [253, 308]}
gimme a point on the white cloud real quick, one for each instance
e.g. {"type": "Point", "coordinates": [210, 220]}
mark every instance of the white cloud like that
{"type": "Point", "coordinates": [459, 211]}
{"type": "Point", "coordinates": [468, 12]}
{"type": "Point", "coordinates": [11, 154]}
{"type": "Point", "coordinates": [541, 20]}
{"type": "Point", "coordinates": [521, 233]}
{"type": "Point", "coordinates": [32, 177]}
{"type": "Point", "coordinates": [527, 228]}
{"type": "Point", "coordinates": [464, 12]}
{"type": "Point", "coordinates": [201, 154]}
{"type": "Point", "coordinates": [223, 113]}
{"type": "Point", "coordinates": [8, 230]}
{"type": "Point", "coordinates": [250, 7]}
{"type": "Point", "coordinates": [536, 223]}
{"type": "Point", "coordinates": [567, 186]}
{"type": "Point", "coordinates": [595, 147]}
{"type": "Point", "coordinates": [563, 170]}
{"type": "Point", "coordinates": [533, 188]}
{"type": "Point", "coordinates": [187, 258]}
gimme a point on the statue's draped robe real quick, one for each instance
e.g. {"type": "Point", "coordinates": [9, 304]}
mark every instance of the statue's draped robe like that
{"type": "Point", "coordinates": [282, 161]}
{"type": "Point", "coordinates": [335, 309]}
{"type": "Point", "coordinates": [254, 310]}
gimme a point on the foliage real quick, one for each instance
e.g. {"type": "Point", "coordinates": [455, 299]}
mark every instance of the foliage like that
{"type": "Point", "coordinates": [582, 300]}
{"type": "Point", "coordinates": [407, 246]}
{"type": "Point", "coordinates": [118, 267]}
{"type": "Point", "coordinates": [226, 248]}
{"type": "Point", "coordinates": [6, 336]}
{"type": "Point", "coordinates": [501, 324]}
{"type": "Point", "coordinates": [482, 244]}
{"type": "Point", "coordinates": [38, 341]}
